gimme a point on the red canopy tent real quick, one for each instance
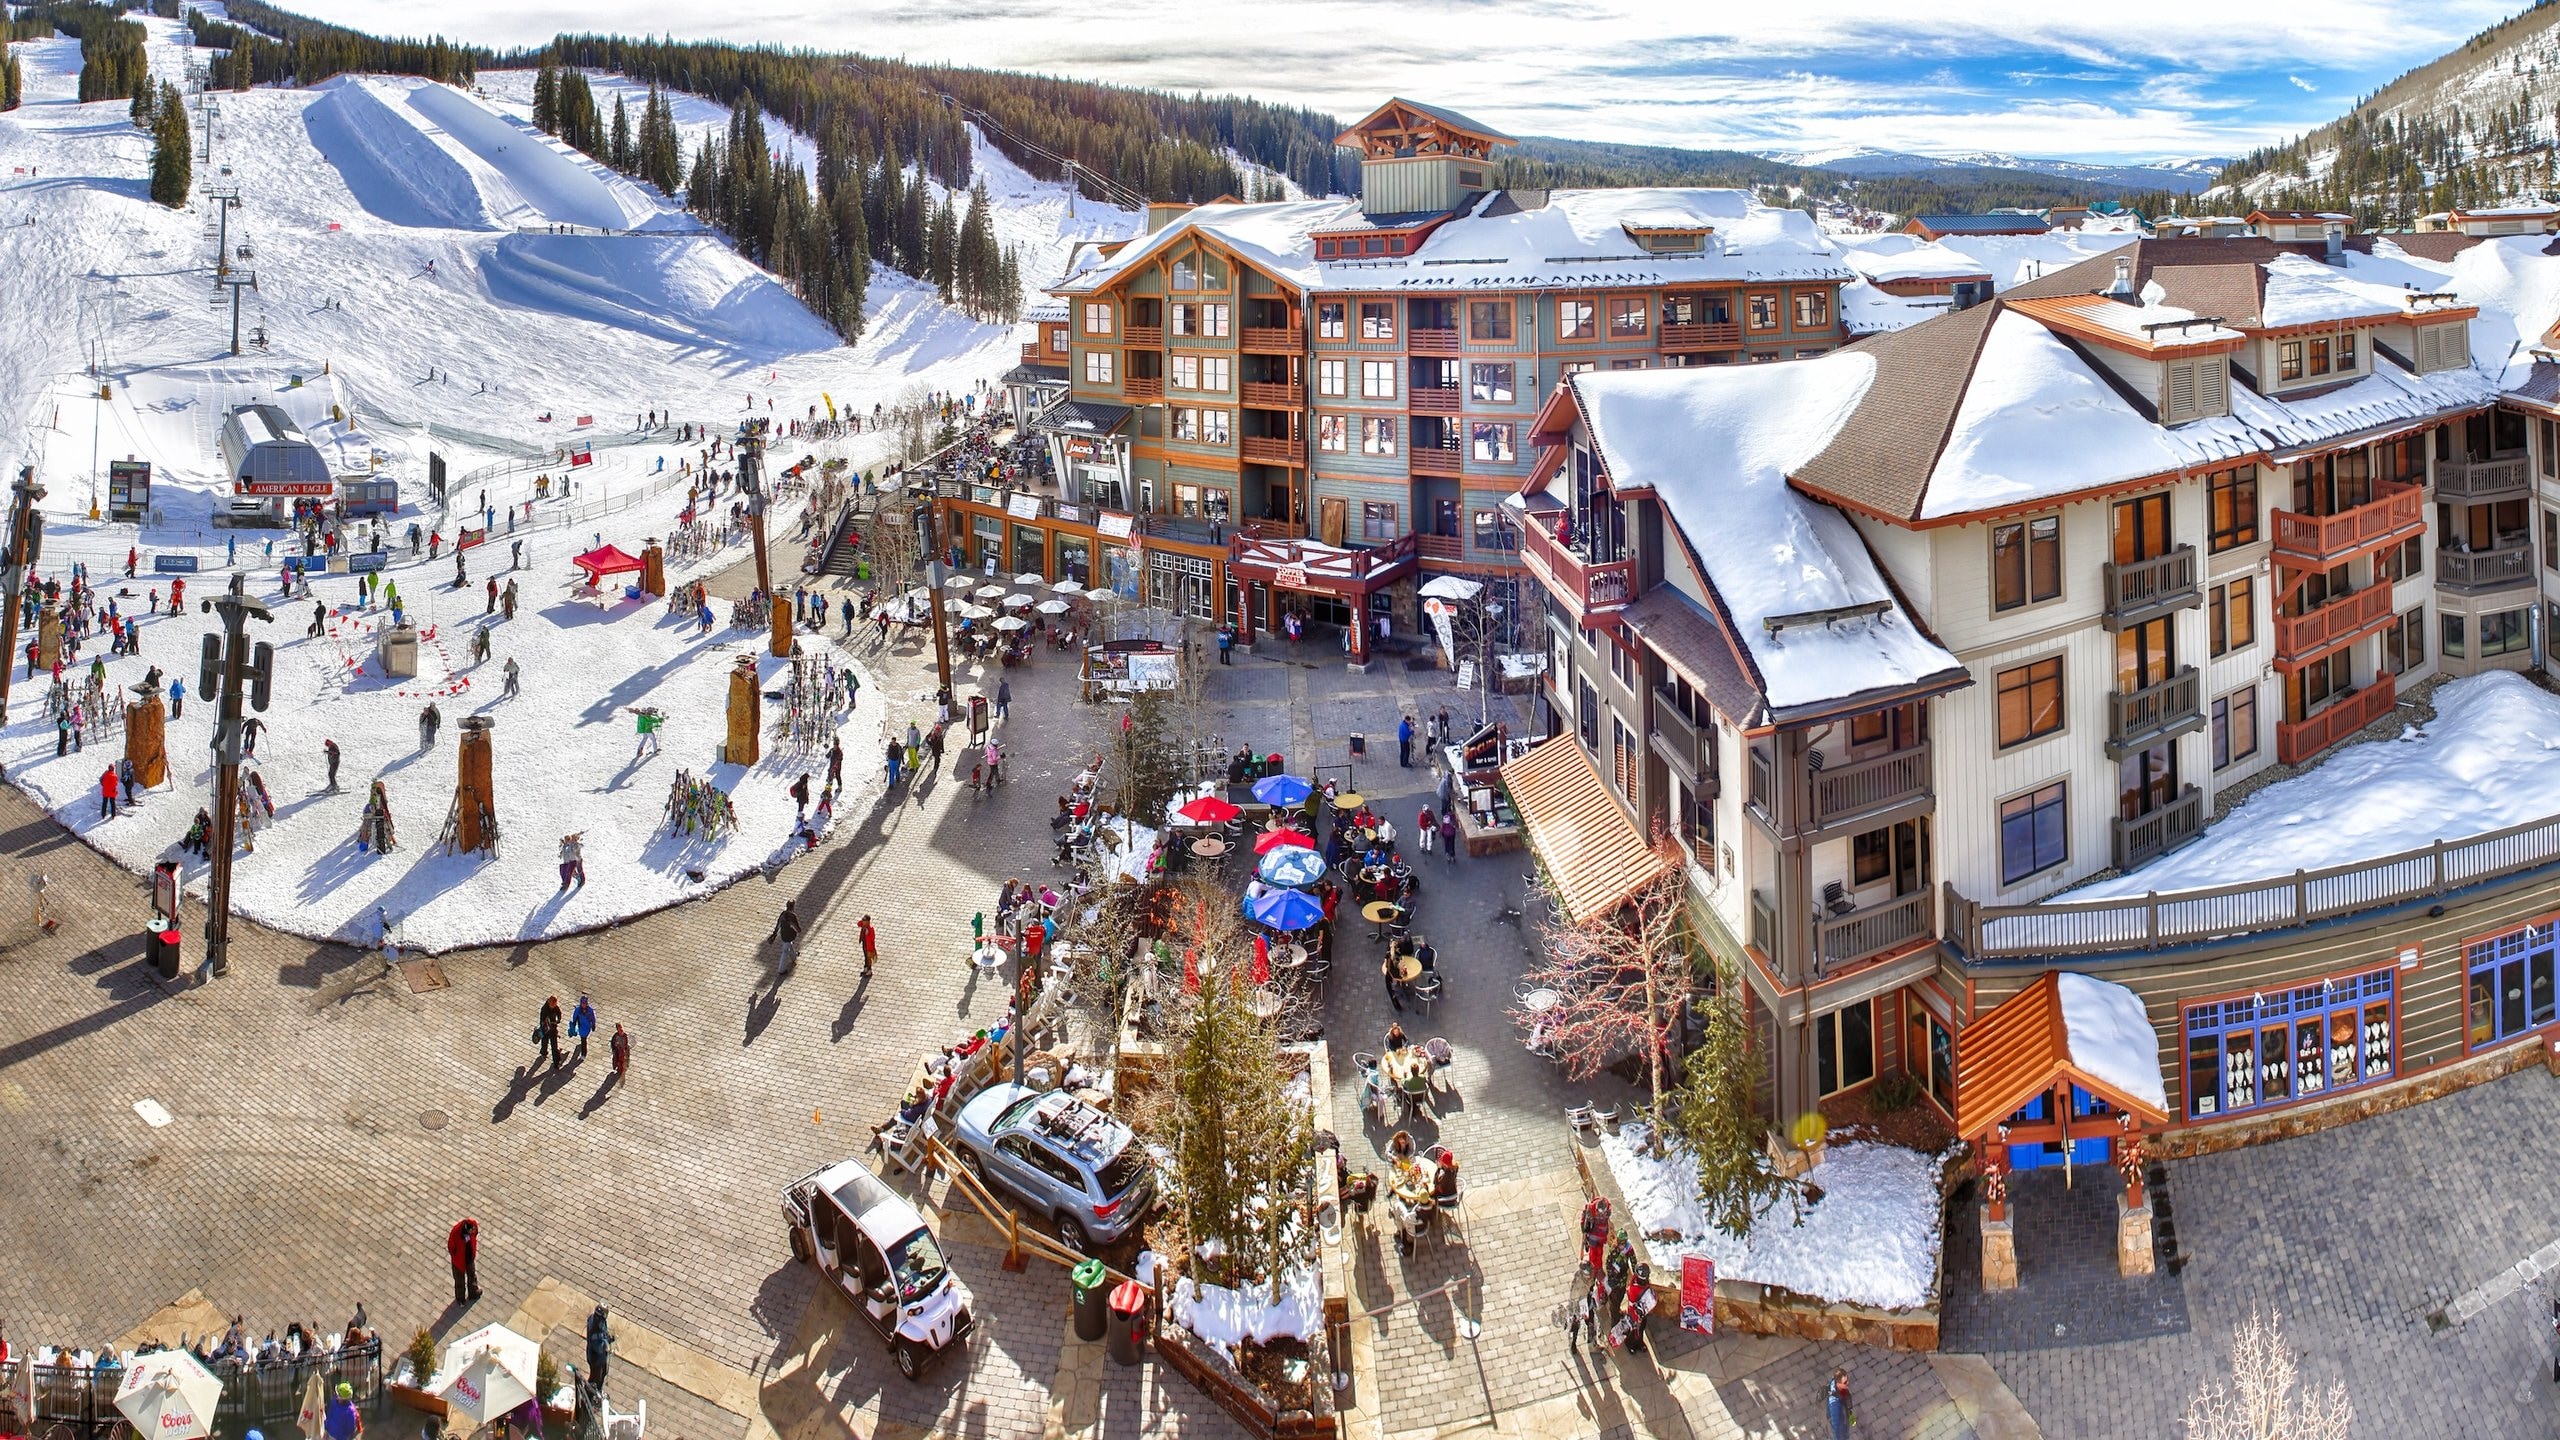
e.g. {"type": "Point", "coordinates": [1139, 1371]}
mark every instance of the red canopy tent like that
{"type": "Point", "coordinates": [608, 560]}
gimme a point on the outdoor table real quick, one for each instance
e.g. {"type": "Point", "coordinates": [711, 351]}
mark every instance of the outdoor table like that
{"type": "Point", "coordinates": [1209, 847]}
{"type": "Point", "coordinates": [1288, 957]}
{"type": "Point", "coordinates": [1347, 802]}
{"type": "Point", "coordinates": [1381, 913]}
{"type": "Point", "coordinates": [1263, 1003]}
{"type": "Point", "coordinates": [1538, 1001]}
{"type": "Point", "coordinates": [1408, 968]}
{"type": "Point", "coordinates": [989, 958]}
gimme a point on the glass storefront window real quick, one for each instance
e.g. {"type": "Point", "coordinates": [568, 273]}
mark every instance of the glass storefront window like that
{"type": "Point", "coordinates": [1075, 559]}
{"type": "Point", "coordinates": [1030, 554]}
{"type": "Point", "coordinates": [2511, 988]}
{"type": "Point", "coordinates": [2295, 1044]}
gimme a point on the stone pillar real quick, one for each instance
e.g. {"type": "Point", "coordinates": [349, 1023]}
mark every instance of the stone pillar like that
{"type": "Point", "coordinates": [2133, 1240]}
{"type": "Point", "coordinates": [653, 569]}
{"type": "Point", "coordinates": [476, 826]}
{"type": "Point", "coordinates": [746, 715]}
{"type": "Point", "coordinates": [781, 645]}
{"type": "Point", "coordinates": [2000, 1253]}
{"type": "Point", "coordinates": [49, 635]}
{"type": "Point", "coordinates": [145, 739]}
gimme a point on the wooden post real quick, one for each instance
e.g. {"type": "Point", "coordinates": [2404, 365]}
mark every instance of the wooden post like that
{"type": "Point", "coordinates": [1013, 1240]}
{"type": "Point", "coordinates": [2301, 897]}
{"type": "Point", "coordinates": [746, 715]}
{"type": "Point", "coordinates": [145, 739]}
{"type": "Point", "coordinates": [475, 822]}
{"type": "Point", "coordinates": [653, 568]}
{"type": "Point", "coordinates": [780, 645]}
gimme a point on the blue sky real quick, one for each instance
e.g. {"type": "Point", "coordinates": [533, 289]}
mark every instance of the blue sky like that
{"type": "Point", "coordinates": [2031, 77]}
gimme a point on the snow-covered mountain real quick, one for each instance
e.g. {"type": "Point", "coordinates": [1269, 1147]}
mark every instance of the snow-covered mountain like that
{"type": "Point", "coordinates": [2185, 175]}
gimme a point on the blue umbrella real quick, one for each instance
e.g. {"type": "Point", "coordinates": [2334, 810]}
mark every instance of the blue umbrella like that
{"type": "Point", "coordinates": [1281, 790]}
{"type": "Point", "coordinates": [1284, 909]}
{"type": "Point", "coordinates": [1292, 866]}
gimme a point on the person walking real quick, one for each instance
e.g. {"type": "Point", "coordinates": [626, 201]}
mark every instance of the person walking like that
{"type": "Point", "coordinates": [621, 1048]}
{"type": "Point", "coordinates": [1836, 1405]}
{"type": "Point", "coordinates": [786, 938]}
{"type": "Point", "coordinates": [1425, 830]}
{"type": "Point", "coordinates": [1004, 698]}
{"type": "Point", "coordinates": [462, 1247]}
{"type": "Point", "coordinates": [428, 720]}
{"type": "Point", "coordinates": [342, 1420]}
{"type": "Point", "coordinates": [41, 886]}
{"type": "Point", "coordinates": [107, 794]}
{"type": "Point", "coordinates": [870, 944]}
{"type": "Point", "coordinates": [546, 1032]}
{"type": "Point", "coordinates": [492, 607]}
{"type": "Point", "coordinates": [897, 757]}
{"type": "Point", "coordinates": [800, 795]}
{"type": "Point", "coordinates": [1226, 645]}
{"type": "Point", "coordinates": [329, 756]}
{"type": "Point", "coordinates": [1584, 1314]}
{"type": "Point", "coordinates": [995, 764]}
{"type": "Point", "coordinates": [582, 1023]}
{"type": "Point", "coordinates": [599, 1347]}
{"type": "Point", "coordinates": [1449, 835]}
{"type": "Point", "coordinates": [835, 763]}
{"type": "Point", "coordinates": [1447, 790]}
{"type": "Point", "coordinates": [573, 859]}
{"type": "Point", "coordinates": [1404, 742]}
{"type": "Point", "coordinates": [177, 699]}
{"type": "Point", "coordinates": [515, 679]}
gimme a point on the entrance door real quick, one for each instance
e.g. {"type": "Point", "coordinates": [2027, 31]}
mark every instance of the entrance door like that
{"type": "Point", "coordinates": [1331, 512]}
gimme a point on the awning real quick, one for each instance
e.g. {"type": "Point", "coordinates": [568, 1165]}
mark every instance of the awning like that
{"type": "Point", "coordinates": [610, 560]}
{"type": "Point", "coordinates": [1083, 417]}
{"type": "Point", "coordinates": [1592, 853]}
{"type": "Point", "coordinates": [2093, 1033]}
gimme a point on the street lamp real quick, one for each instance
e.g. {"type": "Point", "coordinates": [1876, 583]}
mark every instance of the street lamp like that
{"type": "Point", "coordinates": [26, 543]}
{"type": "Point", "coordinates": [228, 663]}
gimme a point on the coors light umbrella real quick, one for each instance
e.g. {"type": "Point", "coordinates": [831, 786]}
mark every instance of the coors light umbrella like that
{"type": "Point", "coordinates": [490, 1373]}
{"type": "Point", "coordinates": [169, 1395]}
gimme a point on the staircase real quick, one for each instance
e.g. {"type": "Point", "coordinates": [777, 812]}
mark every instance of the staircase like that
{"type": "Point", "coordinates": [841, 556]}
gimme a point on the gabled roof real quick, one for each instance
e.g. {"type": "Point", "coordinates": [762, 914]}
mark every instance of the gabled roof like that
{"type": "Point", "coordinates": [1271, 238]}
{"type": "Point", "coordinates": [1980, 224]}
{"type": "Point", "coordinates": [2092, 1033]}
{"type": "Point", "coordinates": [1448, 117]}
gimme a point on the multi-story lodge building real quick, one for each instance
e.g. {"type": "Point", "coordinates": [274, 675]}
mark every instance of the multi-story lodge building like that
{"type": "Point", "coordinates": [1305, 406]}
{"type": "Point", "coordinates": [1917, 634]}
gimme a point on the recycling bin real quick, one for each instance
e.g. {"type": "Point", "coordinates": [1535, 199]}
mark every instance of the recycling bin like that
{"type": "Point", "coordinates": [1092, 1296]}
{"type": "Point", "coordinates": [1128, 1303]}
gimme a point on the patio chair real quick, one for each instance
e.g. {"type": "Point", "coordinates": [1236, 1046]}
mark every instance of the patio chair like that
{"type": "Point", "coordinates": [906, 1151]}
{"type": "Point", "coordinates": [1426, 990]}
{"type": "Point", "coordinates": [1582, 1118]}
{"type": "Point", "coordinates": [1442, 1057]}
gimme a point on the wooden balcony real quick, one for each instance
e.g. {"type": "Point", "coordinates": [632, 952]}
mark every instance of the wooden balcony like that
{"type": "Point", "coordinates": [1702, 335]}
{"type": "Point", "coordinates": [1584, 587]}
{"type": "Point", "coordinates": [2144, 590]}
{"type": "Point", "coordinates": [2479, 480]}
{"type": "Point", "coordinates": [1143, 387]}
{"type": "Point", "coordinates": [2485, 569]}
{"type": "Point", "coordinates": [1431, 342]}
{"type": "Point", "coordinates": [1440, 547]}
{"type": "Point", "coordinates": [1844, 940]}
{"type": "Point", "coordinates": [1272, 449]}
{"type": "Point", "coordinates": [1268, 395]}
{"type": "Point", "coordinates": [2299, 740]}
{"type": "Point", "coordinates": [1272, 529]}
{"type": "Point", "coordinates": [1274, 339]}
{"type": "Point", "coordinates": [1434, 400]}
{"type": "Point", "coordinates": [2146, 838]}
{"type": "Point", "coordinates": [1849, 794]}
{"type": "Point", "coordinates": [1142, 337]}
{"type": "Point", "coordinates": [2164, 710]}
{"type": "Point", "coordinates": [1031, 354]}
{"type": "Point", "coordinates": [2303, 638]}
{"type": "Point", "coordinates": [1430, 460]}
{"type": "Point", "coordinates": [2394, 514]}
{"type": "Point", "coordinates": [1689, 748]}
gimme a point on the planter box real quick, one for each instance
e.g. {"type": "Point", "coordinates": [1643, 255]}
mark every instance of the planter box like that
{"type": "Point", "coordinates": [417, 1399]}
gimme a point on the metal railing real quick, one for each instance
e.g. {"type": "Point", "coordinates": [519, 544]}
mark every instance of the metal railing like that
{"type": "Point", "coordinates": [81, 1399]}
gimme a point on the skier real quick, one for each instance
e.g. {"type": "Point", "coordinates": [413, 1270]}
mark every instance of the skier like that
{"type": "Point", "coordinates": [329, 753]}
{"type": "Point", "coordinates": [515, 548]}
{"type": "Point", "coordinates": [648, 718]}
{"type": "Point", "coordinates": [513, 675]}
{"type": "Point", "coordinates": [480, 645]}
{"type": "Point", "coordinates": [428, 720]}
{"type": "Point", "coordinates": [461, 571]}
{"type": "Point", "coordinates": [249, 730]}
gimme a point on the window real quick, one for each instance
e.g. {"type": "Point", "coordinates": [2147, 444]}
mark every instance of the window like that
{"type": "Point", "coordinates": [2505, 633]}
{"type": "Point", "coordinates": [1186, 423]}
{"type": "Point", "coordinates": [2404, 643]}
{"type": "Point", "coordinates": [1377, 435]}
{"type": "Point", "coordinates": [1377, 320]}
{"type": "Point", "coordinates": [2403, 560]}
{"type": "Point", "coordinates": [1637, 363]}
{"type": "Point", "coordinates": [1097, 367]}
{"type": "Point", "coordinates": [1871, 856]}
{"type": "Point", "coordinates": [1628, 319]}
{"type": "Point", "coordinates": [2233, 498]}
{"type": "Point", "coordinates": [1623, 756]}
{"type": "Point", "coordinates": [2451, 642]}
{"type": "Point", "coordinates": [2271, 1046]}
{"type": "Point", "coordinates": [2346, 350]}
{"type": "Point", "coordinates": [1762, 310]}
{"type": "Point", "coordinates": [2550, 537]}
{"type": "Point", "coordinates": [1378, 379]}
{"type": "Point", "coordinates": [2235, 727]}
{"type": "Point", "coordinates": [2318, 360]}
{"type": "Point", "coordinates": [2026, 562]}
{"type": "Point", "coordinates": [1489, 320]}
{"type": "Point", "coordinates": [1576, 367]}
{"type": "Point", "coordinates": [1213, 319]}
{"type": "Point", "coordinates": [1332, 433]}
{"type": "Point", "coordinates": [1929, 1054]}
{"type": "Point", "coordinates": [2231, 621]}
{"type": "Point", "coordinates": [2511, 984]}
{"type": "Point", "coordinates": [1215, 428]}
{"type": "Point", "coordinates": [1333, 377]}
{"type": "Point", "coordinates": [1329, 323]}
{"type": "Point", "coordinates": [1097, 318]}
{"type": "Point", "coordinates": [1377, 520]}
{"type": "Point", "coordinates": [1492, 534]}
{"type": "Point", "coordinates": [2030, 700]}
{"type": "Point", "coordinates": [1845, 1047]}
{"type": "Point", "coordinates": [1186, 318]}
{"type": "Point", "coordinates": [1576, 320]}
{"type": "Point", "coordinates": [2033, 837]}
{"type": "Point", "coordinates": [2289, 361]}
{"type": "Point", "coordinates": [1185, 372]}
{"type": "Point", "coordinates": [1490, 381]}
{"type": "Point", "coordinates": [1587, 717]}
{"type": "Point", "coordinates": [2192, 389]}
{"type": "Point", "coordinates": [1493, 441]}
{"type": "Point", "coordinates": [1057, 338]}
{"type": "Point", "coordinates": [1813, 309]}
{"type": "Point", "coordinates": [1214, 371]}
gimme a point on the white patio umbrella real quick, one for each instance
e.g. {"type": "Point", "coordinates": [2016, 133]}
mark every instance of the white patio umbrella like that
{"type": "Point", "coordinates": [314, 1415]}
{"type": "Point", "coordinates": [957, 606]}
{"type": "Point", "coordinates": [989, 592]}
{"type": "Point", "coordinates": [488, 1373]}
{"type": "Point", "coordinates": [919, 595]}
{"type": "Point", "coordinates": [1053, 607]}
{"type": "Point", "coordinates": [956, 582]}
{"type": "Point", "coordinates": [1013, 622]}
{"type": "Point", "coordinates": [975, 612]}
{"type": "Point", "coordinates": [1016, 602]}
{"type": "Point", "coordinates": [1066, 587]}
{"type": "Point", "coordinates": [169, 1395]}
{"type": "Point", "coordinates": [1027, 577]}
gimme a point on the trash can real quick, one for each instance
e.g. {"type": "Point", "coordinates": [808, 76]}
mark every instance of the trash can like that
{"type": "Point", "coordinates": [1128, 1303]}
{"type": "Point", "coordinates": [1091, 1295]}
{"type": "Point", "coordinates": [163, 945]}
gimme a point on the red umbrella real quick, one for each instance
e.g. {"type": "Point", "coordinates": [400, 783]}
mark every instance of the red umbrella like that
{"type": "Point", "coordinates": [1271, 840]}
{"type": "Point", "coordinates": [1261, 961]}
{"type": "Point", "coordinates": [1209, 810]}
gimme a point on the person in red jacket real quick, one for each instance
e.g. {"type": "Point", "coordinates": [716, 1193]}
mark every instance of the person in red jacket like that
{"type": "Point", "coordinates": [462, 1247]}
{"type": "Point", "coordinates": [107, 794]}
{"type": "Point", "coordinates": [870, 945]}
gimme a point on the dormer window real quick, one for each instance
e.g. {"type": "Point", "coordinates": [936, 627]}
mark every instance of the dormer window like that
{"type": "Point", "coordinates": [2195, 389]}
{"type": "Point", "coordinates": [2314, 357]}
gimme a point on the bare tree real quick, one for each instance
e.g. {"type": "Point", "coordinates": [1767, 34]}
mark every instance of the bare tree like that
{"type": "Point", "coordinates": [2259, 1403]}
{"type": "Point", "coordinates": [1620, 981]}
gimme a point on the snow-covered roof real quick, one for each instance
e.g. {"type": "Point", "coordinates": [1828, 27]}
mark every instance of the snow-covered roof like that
{"type": "Point", "coordinates": [2147, 319]}
{"type": "Point", "coordinates": [2110, 1037]}
{"type": "Point", "coordinates": [2389, 398]}
{"type": "Point", "coordinates": [2303, 291]}
{"type": "Point", "coordinates": [1919, 260]}
{"type": "Point", "coordinates": [1716, 443]}
{"type": "Point", "coordinates": [1051, 311]}
{"type": "Point", "coordinates": [1580, 237]}
{"type": "Point", "coordinates": [1272, 238]}
{"type": "Point", "coordinates": [1866, 310]}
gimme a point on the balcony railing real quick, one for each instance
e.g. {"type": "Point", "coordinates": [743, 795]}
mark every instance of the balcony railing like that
{"type": "Point", "coordinates": [2347, 617]}
{"type": "Point", "coordinates": [1434, 400]}
{"type": "Point", "coordinates": [1143, 387]}
{"type": "Point", "coordinates": [2163, 710]}
{"type": "Point", "coordinates": [2140, 590]}
{"type": "Point", "coordinates": [1431, 460]}
{"type": "Point", "coordinates": [1142, 337]}
{"type": "Point", "coordinates": [2482, 479]}
{"type": "Point", "coordinates": [1270, 395]}
{"type": "Point", "coordinates": [1861, 788]}
{"type": "Point", "coordinates": [1689, 747]}
{"type": "Point", "coordinates": [2485, 569]}
{"type": "Point", "coordinates": [1441, 547]}
{"type": "Point", "coordinates": [1272, 449]}
{"type": "Point", "coordinates": [1583, 586]}
{"type": "Point", "coordinates": [1841, 940]}
{"type": "Point", "coordinates": [2394, 511]}
{"type": "Point", "coordinates": [1431, 342]}
{"type": "Point", "coordinates": [1274, 339]}
{"type": "Point", "coordinates": [2146, 838]}
{"type": "Point", "coordinates": [2299, 740]}
{"type": "Point", "coordinates": [1701, 335]}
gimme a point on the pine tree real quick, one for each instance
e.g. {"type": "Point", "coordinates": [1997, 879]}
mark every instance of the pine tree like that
{"type": "Point", "coordinates": [172, 154]}
{"type": "Point", "coordinates": [546, 99]}
{"type": "Point", "coordinates": [140, 110]}
{"type": "Point", "coordinates": [702, 183]}
{"type": "Point", "coordinates": [13, 82]}
{"type": "Point", "coordinates": [622, 153]}
{"type": "Point", "coordinates": [942, 249]}
{"type": "Point", "coordinates": [1713, 1114]}
{"type": "Point", "coordinates": [974, 263]}
{"type": "Point", "coordinates": [1012, 281]}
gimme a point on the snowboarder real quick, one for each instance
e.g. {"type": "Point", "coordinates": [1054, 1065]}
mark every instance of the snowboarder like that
{"type": "Point", "coordinates": [428, 720]}
{"type": "Point", "coordinates": [513, 675]}
{"type": "Point", "coordinates": [573, 859]}
{"type": "Point", "coordinates": [329, 753]}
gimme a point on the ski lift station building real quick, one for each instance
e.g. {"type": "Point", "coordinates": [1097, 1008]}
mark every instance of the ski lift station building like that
{"type": "Point", "coordinates": [263, 450]}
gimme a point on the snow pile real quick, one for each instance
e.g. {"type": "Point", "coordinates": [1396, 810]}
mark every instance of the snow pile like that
{"type": "Point", "coordinates": [1228, 1318]}
{"type": "Point", "coordinates": [2110, 1037]}
{"type": "Point", "coordinates": [2303, 291]}
{"type": "Point", "coordinates": [1873, 1240]}
{"type": "Point", "coordinates": [688, 290]}
{"type": "Point", "coordinates": [1127, 848]}
{"type": "Point", "coordinates": [391, 167]}
{"type": "Point", "coordinates": [2489, 760]}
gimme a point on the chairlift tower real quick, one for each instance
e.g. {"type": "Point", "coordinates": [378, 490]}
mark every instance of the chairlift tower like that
{"type": "Point", "coordinates": [206, 113]}
{"type": "Point", "coordinates": [235, 283]}
{"type": "Point", "coordinates": [224, 196]}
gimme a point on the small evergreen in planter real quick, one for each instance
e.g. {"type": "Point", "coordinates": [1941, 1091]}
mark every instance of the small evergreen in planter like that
{"type": "Point", "coordinates": [546, 1377]}
{"type": "Point", "coordinates": [421, 1357]}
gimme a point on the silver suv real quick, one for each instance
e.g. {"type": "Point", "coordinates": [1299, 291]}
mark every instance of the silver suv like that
{"type": "Point", "coordinates": [1069, 1162]}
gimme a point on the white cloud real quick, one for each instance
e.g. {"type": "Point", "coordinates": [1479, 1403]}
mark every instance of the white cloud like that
{"type": "Point", "coordinates": [2307, 86]}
